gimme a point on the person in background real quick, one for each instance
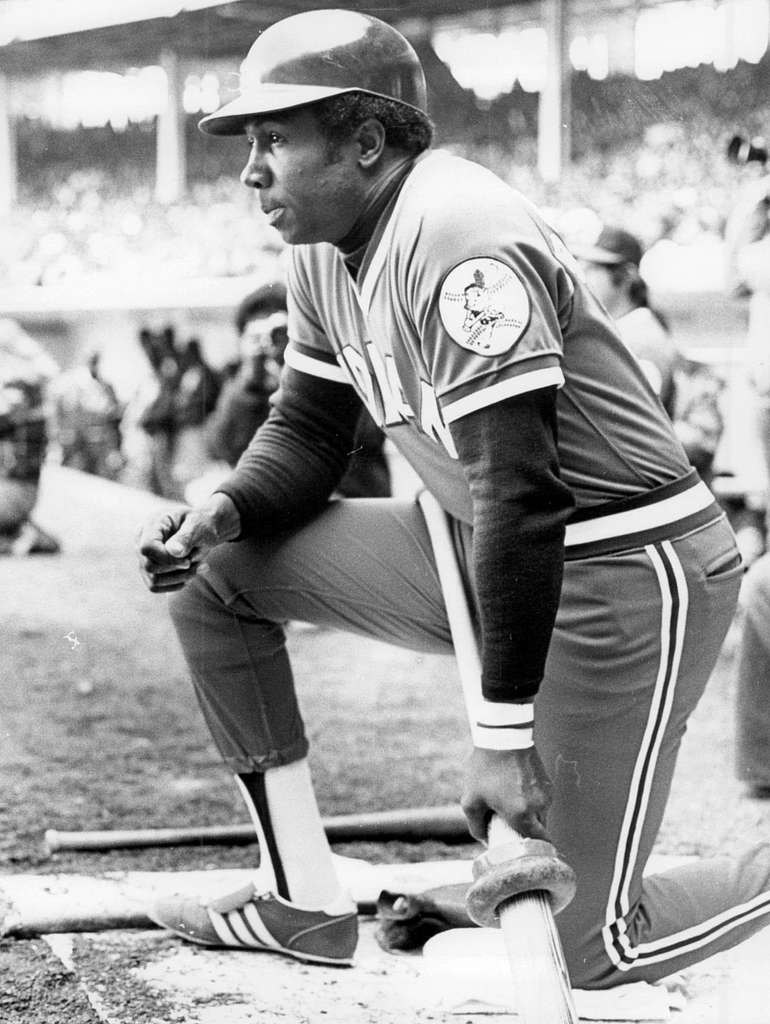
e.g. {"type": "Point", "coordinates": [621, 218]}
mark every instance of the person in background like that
{"type": "Point", "coordinates": [747, 247]}
{"type": "Point", "coordinates": [244, 402]}
{"type": "Point", "coordinates": [752, 695]}
{"type": "Point", "coordinates": [688, 391]}
{"type": "Point", "coordinates": [87, 417]}
{"type": "Point", "coordinates": [25, 372]}
{"type": "Point", "coordinates": [195, 397]}
{"type": "Point", "coordinates": [149, 421]}
{"type": "Point", "coordinates": [747, 243]}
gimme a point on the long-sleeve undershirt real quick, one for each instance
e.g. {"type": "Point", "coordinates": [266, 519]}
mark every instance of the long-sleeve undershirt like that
{"type": "Point", "coordinates": [520, 506]}
{"type": "Point", "coordinates": [298, 455]}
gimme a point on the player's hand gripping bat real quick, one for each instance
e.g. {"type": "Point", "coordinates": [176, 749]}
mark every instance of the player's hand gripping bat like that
{"type": "Point", "coordinates": [519, 883]}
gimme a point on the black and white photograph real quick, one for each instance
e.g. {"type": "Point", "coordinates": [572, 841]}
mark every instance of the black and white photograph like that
{"type": "Point", "coordinates": [384, 512]}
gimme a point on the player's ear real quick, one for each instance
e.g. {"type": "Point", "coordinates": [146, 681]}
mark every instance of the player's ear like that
{"type": "Point", "coordinates": [370, 140]}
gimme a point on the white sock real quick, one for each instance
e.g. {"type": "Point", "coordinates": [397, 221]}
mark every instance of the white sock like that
{"type": "Point", "coordinates": [300, 839]}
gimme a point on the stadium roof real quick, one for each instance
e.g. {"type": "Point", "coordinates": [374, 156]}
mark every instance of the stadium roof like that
{"type": "Point", "coordinates": [211, 33]}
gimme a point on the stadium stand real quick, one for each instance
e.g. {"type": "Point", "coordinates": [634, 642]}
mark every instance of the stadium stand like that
{"type": "Point", "coordinates": [86, 206]}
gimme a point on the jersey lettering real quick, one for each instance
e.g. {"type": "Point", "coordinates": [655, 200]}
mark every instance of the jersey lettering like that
{"type": "Point", "coordinates": [381, 391]}
{"type": "Point", "coordinates": [394, 405]}
{"type": "Point", "coordinates": [361, 374]}
{"type": "Point", "coordinates": [432, 421]}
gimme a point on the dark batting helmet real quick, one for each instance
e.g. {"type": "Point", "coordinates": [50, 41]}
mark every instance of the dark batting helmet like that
{"type": "Point", "coordinates": [308, 57]}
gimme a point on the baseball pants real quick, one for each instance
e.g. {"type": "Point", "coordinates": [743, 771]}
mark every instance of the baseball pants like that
{"type": "Point", "coordinates": [637, 636]}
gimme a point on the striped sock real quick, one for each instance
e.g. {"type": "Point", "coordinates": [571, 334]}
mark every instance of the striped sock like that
{"type": "Point", "coordinates": [291, 833]}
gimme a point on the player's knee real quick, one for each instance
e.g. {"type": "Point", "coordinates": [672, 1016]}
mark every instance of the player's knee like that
{"type": "Point", "coordinates": [189, 609]}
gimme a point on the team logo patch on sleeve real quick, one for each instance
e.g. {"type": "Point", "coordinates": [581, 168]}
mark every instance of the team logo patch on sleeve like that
{"type": "Point", "coordinates": [484, 306]}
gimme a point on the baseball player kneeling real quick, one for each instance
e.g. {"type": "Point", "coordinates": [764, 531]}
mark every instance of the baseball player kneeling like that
{"type": "Point", "coordinates": [603, 575]}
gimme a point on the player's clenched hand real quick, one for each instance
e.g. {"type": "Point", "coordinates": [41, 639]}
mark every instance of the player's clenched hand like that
{"type": "Point", "coordinates": [172, 546]}
{"type": "Point", "coordinates": [510, 783]}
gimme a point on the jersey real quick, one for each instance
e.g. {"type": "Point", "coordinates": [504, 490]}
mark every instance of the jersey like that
{"type": "Point", "coordinates": [466, 297]}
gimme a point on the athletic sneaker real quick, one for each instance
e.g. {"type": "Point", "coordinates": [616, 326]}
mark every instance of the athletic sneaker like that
{"type": "Point", "coordinates": [247, 919]}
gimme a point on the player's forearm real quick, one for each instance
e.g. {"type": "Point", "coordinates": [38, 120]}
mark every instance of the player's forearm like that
{"type": "Point", "coordinates": [518, 558]}
{"type": "Point", "coordinates": [297, 457]}
{"type": "Point", "coordinates": [520, 508]}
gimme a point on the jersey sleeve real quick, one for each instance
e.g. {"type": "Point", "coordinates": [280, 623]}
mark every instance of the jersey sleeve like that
{"type": "Point", "coordinates": [490, 299]}
{"type": "Point", "coordinates": [308, 350]}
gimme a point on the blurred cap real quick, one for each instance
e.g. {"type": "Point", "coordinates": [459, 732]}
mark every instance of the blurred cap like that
{"type": "Point", "coordinates": [316, 54]}
{"type": "Point", "coordinates": [613, 247]}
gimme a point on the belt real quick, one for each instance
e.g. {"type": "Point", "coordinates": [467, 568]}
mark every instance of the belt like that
{"type": "Point", "coordinates": [670, 510]}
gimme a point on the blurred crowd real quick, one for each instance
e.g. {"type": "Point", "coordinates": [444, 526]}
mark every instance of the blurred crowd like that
{"type": "Point", "coordinates": [90, 228]}
{"type": "Point", "coordinates": [675, 185]}
{"type": "Point", "coordinates": [87, 212]}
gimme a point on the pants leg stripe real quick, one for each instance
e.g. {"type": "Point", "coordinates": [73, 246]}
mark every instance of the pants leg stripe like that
{"type": "Point", "coordinates": [674, 601]}
{"type": "Point", "coordinates": [674, 604]}
{"type": "Point", "coordinates": [701, 935]}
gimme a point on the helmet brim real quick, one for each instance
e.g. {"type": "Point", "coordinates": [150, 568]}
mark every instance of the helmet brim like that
{"type": "Point", "coordinates": [268, 98]}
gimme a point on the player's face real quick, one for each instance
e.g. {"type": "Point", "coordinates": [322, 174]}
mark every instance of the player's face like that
{"type": "Point", "coordinates": [307, 193]}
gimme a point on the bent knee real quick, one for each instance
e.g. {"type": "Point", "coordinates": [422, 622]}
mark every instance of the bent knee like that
{"type": "Point", "coordinates": [192, 605]}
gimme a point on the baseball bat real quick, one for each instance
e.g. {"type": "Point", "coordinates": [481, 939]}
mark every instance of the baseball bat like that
{"type": "Point", "coordinates": [541, 982]}
{"type": "Point", "coordinates": [411, 824]}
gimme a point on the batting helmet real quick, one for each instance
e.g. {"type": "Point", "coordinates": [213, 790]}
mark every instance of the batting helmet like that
{"type": "Point", "coordinates": [308, 57]}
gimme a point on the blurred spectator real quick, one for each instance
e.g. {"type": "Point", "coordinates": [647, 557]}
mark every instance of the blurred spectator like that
{"type": "Point", "coordinates": [87, 417]}
{"type": "Point", "coordinates": [149, 421]}
{"type": "Point", "coordinates": [244, 402]}
{"type": "Point", "coordinates": [195, 398]}
{"type": "Point", "coordinates": [688, 391]}
{"type": "Point", "coordinates": [748, 249]}
{"type": "Point", "coordinates": [753, 672]}
{"type": "Point", "coordinates": [611, 268]}
{"type": "Point", "coordinates": [698, 419]}
{"type": "Point", "coordinates": [25, 371]}
{"type": "Point", "coordinates": [243, 405]}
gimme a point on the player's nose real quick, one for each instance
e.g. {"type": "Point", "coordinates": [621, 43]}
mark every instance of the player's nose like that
{"type": "Point", "coordinates": [255, 174]}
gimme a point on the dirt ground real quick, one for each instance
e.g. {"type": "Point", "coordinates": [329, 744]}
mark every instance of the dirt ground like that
{"type": "Point", "coordinates": [99, 730]}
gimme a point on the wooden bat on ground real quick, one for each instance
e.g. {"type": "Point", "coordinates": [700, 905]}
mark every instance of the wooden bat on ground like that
{"type": "Point", "coordinates": [410, 824]}
{"type": "Point", "coordinates": [541, 982]}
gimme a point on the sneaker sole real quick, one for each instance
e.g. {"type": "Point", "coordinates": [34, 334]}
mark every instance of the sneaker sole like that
{"type": "Point", "coordinates": [311, 958]}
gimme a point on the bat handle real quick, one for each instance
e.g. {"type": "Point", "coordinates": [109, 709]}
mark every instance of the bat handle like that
{"type": "Point", "coordinates": [500, 833]}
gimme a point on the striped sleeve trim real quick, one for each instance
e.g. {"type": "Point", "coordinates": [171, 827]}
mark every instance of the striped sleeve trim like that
{"type": "Point", "coordinates": [315, 363]}
{"type": "Point", "coordinates": [503, 726]}
{"type": "Point", "coordinates": [547, 376]}
{"type": "Point", "coordinates": [496, 714]}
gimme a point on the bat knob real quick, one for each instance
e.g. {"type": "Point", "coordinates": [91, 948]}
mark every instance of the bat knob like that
{"type": "Point", "coordinates": [508, 870]}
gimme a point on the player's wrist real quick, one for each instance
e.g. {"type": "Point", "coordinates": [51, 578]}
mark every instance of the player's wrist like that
{"type": "Point", "coordinates": [499, 725]}
{"type": "Point", "coordinates": [225, 516]}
